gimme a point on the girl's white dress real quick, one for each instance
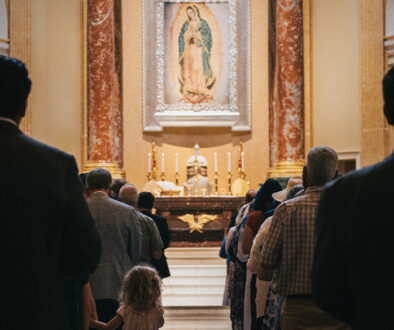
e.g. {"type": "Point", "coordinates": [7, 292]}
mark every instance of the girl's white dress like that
{"type": "Point", "coordinates": [133, 319]}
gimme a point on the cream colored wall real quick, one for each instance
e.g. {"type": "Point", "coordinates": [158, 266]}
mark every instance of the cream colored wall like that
{"type": "Point", "coordinates": [56, 94]}
{"type": "Point", "coordinates": [337, 74]}
{"type": "Point", "coordinates": [56, 74]}
{"type": "Point", "coordinates": [137, 144]}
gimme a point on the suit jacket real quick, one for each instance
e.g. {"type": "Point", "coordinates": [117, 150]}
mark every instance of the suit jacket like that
{"type": "Point", "coordinates": [161, 265]}
{"type": "Point", "coordinates": [46, 231]}
{"type": "Point", "coordinates": [150, 238]}
{"type": "Point", "coordinates": [353, 270]}
{"type": "Point", "coordinates": [120, 233]}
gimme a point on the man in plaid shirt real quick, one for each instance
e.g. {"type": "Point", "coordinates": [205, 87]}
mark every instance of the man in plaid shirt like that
{"type": "Point", "coordinates": [290, 244]}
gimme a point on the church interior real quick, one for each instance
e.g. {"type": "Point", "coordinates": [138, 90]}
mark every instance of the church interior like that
{"type": "Point", "coordinates": [111, 86]}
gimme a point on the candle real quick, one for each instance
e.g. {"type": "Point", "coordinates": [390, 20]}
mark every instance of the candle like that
{"type": "Point", "coordinates": [229, 162]}
{"type": "Point", "coordinates": [162, 162]}
{"type": "Point", "coordinates": [149, 162]}
{"type": "Point", "coordinates": [242, 162]}
{"type": "Point", "coordinates": [176, 162]}
{"type": "Point", "coordinates": [215, 157]}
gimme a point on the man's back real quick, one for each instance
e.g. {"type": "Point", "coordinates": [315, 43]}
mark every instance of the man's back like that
{"type": "Point", "coordinates": [355, 230]}
{"type": "Point", "coordinates": [46, 230]}
{"type": "Point", "coordinates": [120, 234]}
{"type": "Point", "coordinates": [289, 246]}
{"type": "Point", "coordinates": [151, 240]}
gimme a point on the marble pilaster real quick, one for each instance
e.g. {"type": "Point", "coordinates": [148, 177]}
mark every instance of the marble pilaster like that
{"type": "Point", "coordinates": [287, 91]}
{"type": "Point", "coordinates": [104, 117]}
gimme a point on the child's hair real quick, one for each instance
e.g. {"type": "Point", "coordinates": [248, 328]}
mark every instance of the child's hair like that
{"type": "Point", "coordinates": [141, 288]}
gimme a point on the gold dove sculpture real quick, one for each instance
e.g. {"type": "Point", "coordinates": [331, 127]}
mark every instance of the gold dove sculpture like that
{"type": "Point", "coordinates": [198, 225]}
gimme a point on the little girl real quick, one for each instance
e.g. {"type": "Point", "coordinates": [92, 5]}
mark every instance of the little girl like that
{"type": "Point", "coordinates": [140, 302]}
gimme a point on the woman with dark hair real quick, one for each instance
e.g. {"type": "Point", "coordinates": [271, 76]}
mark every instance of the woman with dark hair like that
{"type": "Point", "coordinates": [263, 208]}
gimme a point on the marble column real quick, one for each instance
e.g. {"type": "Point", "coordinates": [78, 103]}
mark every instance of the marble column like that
{"type": "Point", "coordinates": [104, 116]}
{"type": "Point", "coordinates": [287, 92]}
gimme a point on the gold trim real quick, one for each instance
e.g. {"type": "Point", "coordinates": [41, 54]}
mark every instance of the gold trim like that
{"type": "Point", "coordinates": [84, 77]}
{"type": "Point", "coordinates": [20, 45]}
{"type": "Point", "coordinates": [286, 169]}
{"type": "Point", "coordinates": [308, 76]}
{"type": "Point", "coordinates": [389, 38]}
{"type": "Point", "coordinates": [5, 40]}
{"type": "Point", "coordinates": [372, 72]}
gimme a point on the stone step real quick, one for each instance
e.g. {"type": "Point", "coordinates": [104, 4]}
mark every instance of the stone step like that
{"type": "Point", "coordinates": [206, 312]}
{"type": "Point", "coordinates": [197, 277]}
{"type": "Point", "coordinates": [201, 279]}
{"type": "Point", "coordinates": [182, 300]}
{"type": "Point", "coordinates": [197, 270]}
{"type": "Point", "coordinates": [204, 318]}
{"type": "Point", "coordinates": [192, 289]}
{"type": "Point", "coordinates": [193, 253]}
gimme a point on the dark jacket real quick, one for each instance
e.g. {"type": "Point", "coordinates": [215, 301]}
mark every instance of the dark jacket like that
{"type": "Point", "coordinates": [46, 231]}
{"type": "Point", "coordinates": [353, 270]}
{"type": "Point", "coordinates": [161, 265]}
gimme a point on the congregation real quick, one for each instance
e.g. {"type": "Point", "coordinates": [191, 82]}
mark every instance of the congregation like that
{"type": "Point", "coordinates": [315, 255]}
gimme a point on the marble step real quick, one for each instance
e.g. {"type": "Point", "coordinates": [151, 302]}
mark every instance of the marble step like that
{"type": "Point", "coordinates": [197, 280]}
{"type": "Point", "coordinates": [197, 318]}
{"type": "Point", "coordinates": [193, 253]}
{"type": "Point", "coordinates": [180, 299]}
{"type": "Point", "coordinates": [197, 270]}
{"type": "Point", "coordinates": [193, 288]}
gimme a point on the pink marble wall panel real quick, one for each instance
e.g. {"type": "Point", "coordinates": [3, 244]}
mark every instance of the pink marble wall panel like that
{"type": "Point", "coordinates": [287, 92]}
{"type": "Point", "coordinates": [104, 105]}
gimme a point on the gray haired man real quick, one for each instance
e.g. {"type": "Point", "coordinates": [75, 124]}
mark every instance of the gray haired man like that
{"type": "Point", "coordinates": [120, 231]}
{"type": "Point", "coordinates": [290, 244]}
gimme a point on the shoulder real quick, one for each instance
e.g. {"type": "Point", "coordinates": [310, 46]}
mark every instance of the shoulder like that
{"type": "Point", "coordinates": [372, 178]}
{"type": "Point", "coordinates": [44, 148]}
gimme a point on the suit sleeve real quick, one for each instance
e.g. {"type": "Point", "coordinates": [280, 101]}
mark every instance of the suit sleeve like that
{"type": "Point", "coordinates": [81, 245]}
{"type": "Point", "coordinates": [329, 271]}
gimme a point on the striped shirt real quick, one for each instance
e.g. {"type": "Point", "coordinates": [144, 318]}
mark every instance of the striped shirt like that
{"type": "Point", "coordinates": [290, 243]}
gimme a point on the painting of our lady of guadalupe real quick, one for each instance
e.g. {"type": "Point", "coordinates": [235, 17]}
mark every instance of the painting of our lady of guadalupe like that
{"type": "Point", "coordinates": [196, 61]}
{"type": "Point", "coordinates": [195, 44]}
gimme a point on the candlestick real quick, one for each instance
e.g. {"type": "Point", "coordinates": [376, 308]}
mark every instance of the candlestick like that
{"type": "Point", "coordinates": [242, 162]}
{"type": "Point", "coordinates": [216, 183]}
{"type": "Point", "coordinates": [229, 183]}
{"type": "Point", "coordinates": [215, 158]}
{"type": "Point", "coordinates": [229, 162]}
{"type": "Point", "coordinates": [154, 167]}
{"type": "Point", "coordinates": [176, 162]}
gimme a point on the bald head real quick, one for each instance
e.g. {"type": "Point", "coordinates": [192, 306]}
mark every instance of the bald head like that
{"type": "Point", "coordinates": [128, 194]}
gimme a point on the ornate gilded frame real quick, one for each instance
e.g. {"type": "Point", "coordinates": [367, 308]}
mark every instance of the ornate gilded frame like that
{"type": "Point", "coordinates": [236, 114]}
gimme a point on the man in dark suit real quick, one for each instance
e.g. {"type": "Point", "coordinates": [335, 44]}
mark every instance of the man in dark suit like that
{"type": "Point", "coordinates": [46, 227]}
{"type": "Point", "coordinates": [353, 270]}
{"type": "Point", "coordinates": [145, 205]}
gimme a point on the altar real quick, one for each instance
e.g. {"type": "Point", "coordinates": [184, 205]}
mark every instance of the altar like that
{"type": "Point", "coordinates": [197, 221]}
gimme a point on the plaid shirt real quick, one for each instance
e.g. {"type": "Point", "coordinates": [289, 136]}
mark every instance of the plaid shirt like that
{"type": "Point", "coordinates": [290, 243]}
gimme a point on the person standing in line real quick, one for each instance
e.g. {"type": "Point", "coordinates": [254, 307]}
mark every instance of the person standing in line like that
{"type": "Point", "coordinates": [47, 231]}
{"type": "Point", "coordinates": [353, 267]}
{"type": "Point", "coordinates": [120, 233]}
{"type": "Point", "coordinates": [141, 307]}
{"type": "Point", "coordinates": [151, 244]}
{"type": "Point", "coordinates": [290, 243]}
{"type": "Point", "coordinates": [145, 204]}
